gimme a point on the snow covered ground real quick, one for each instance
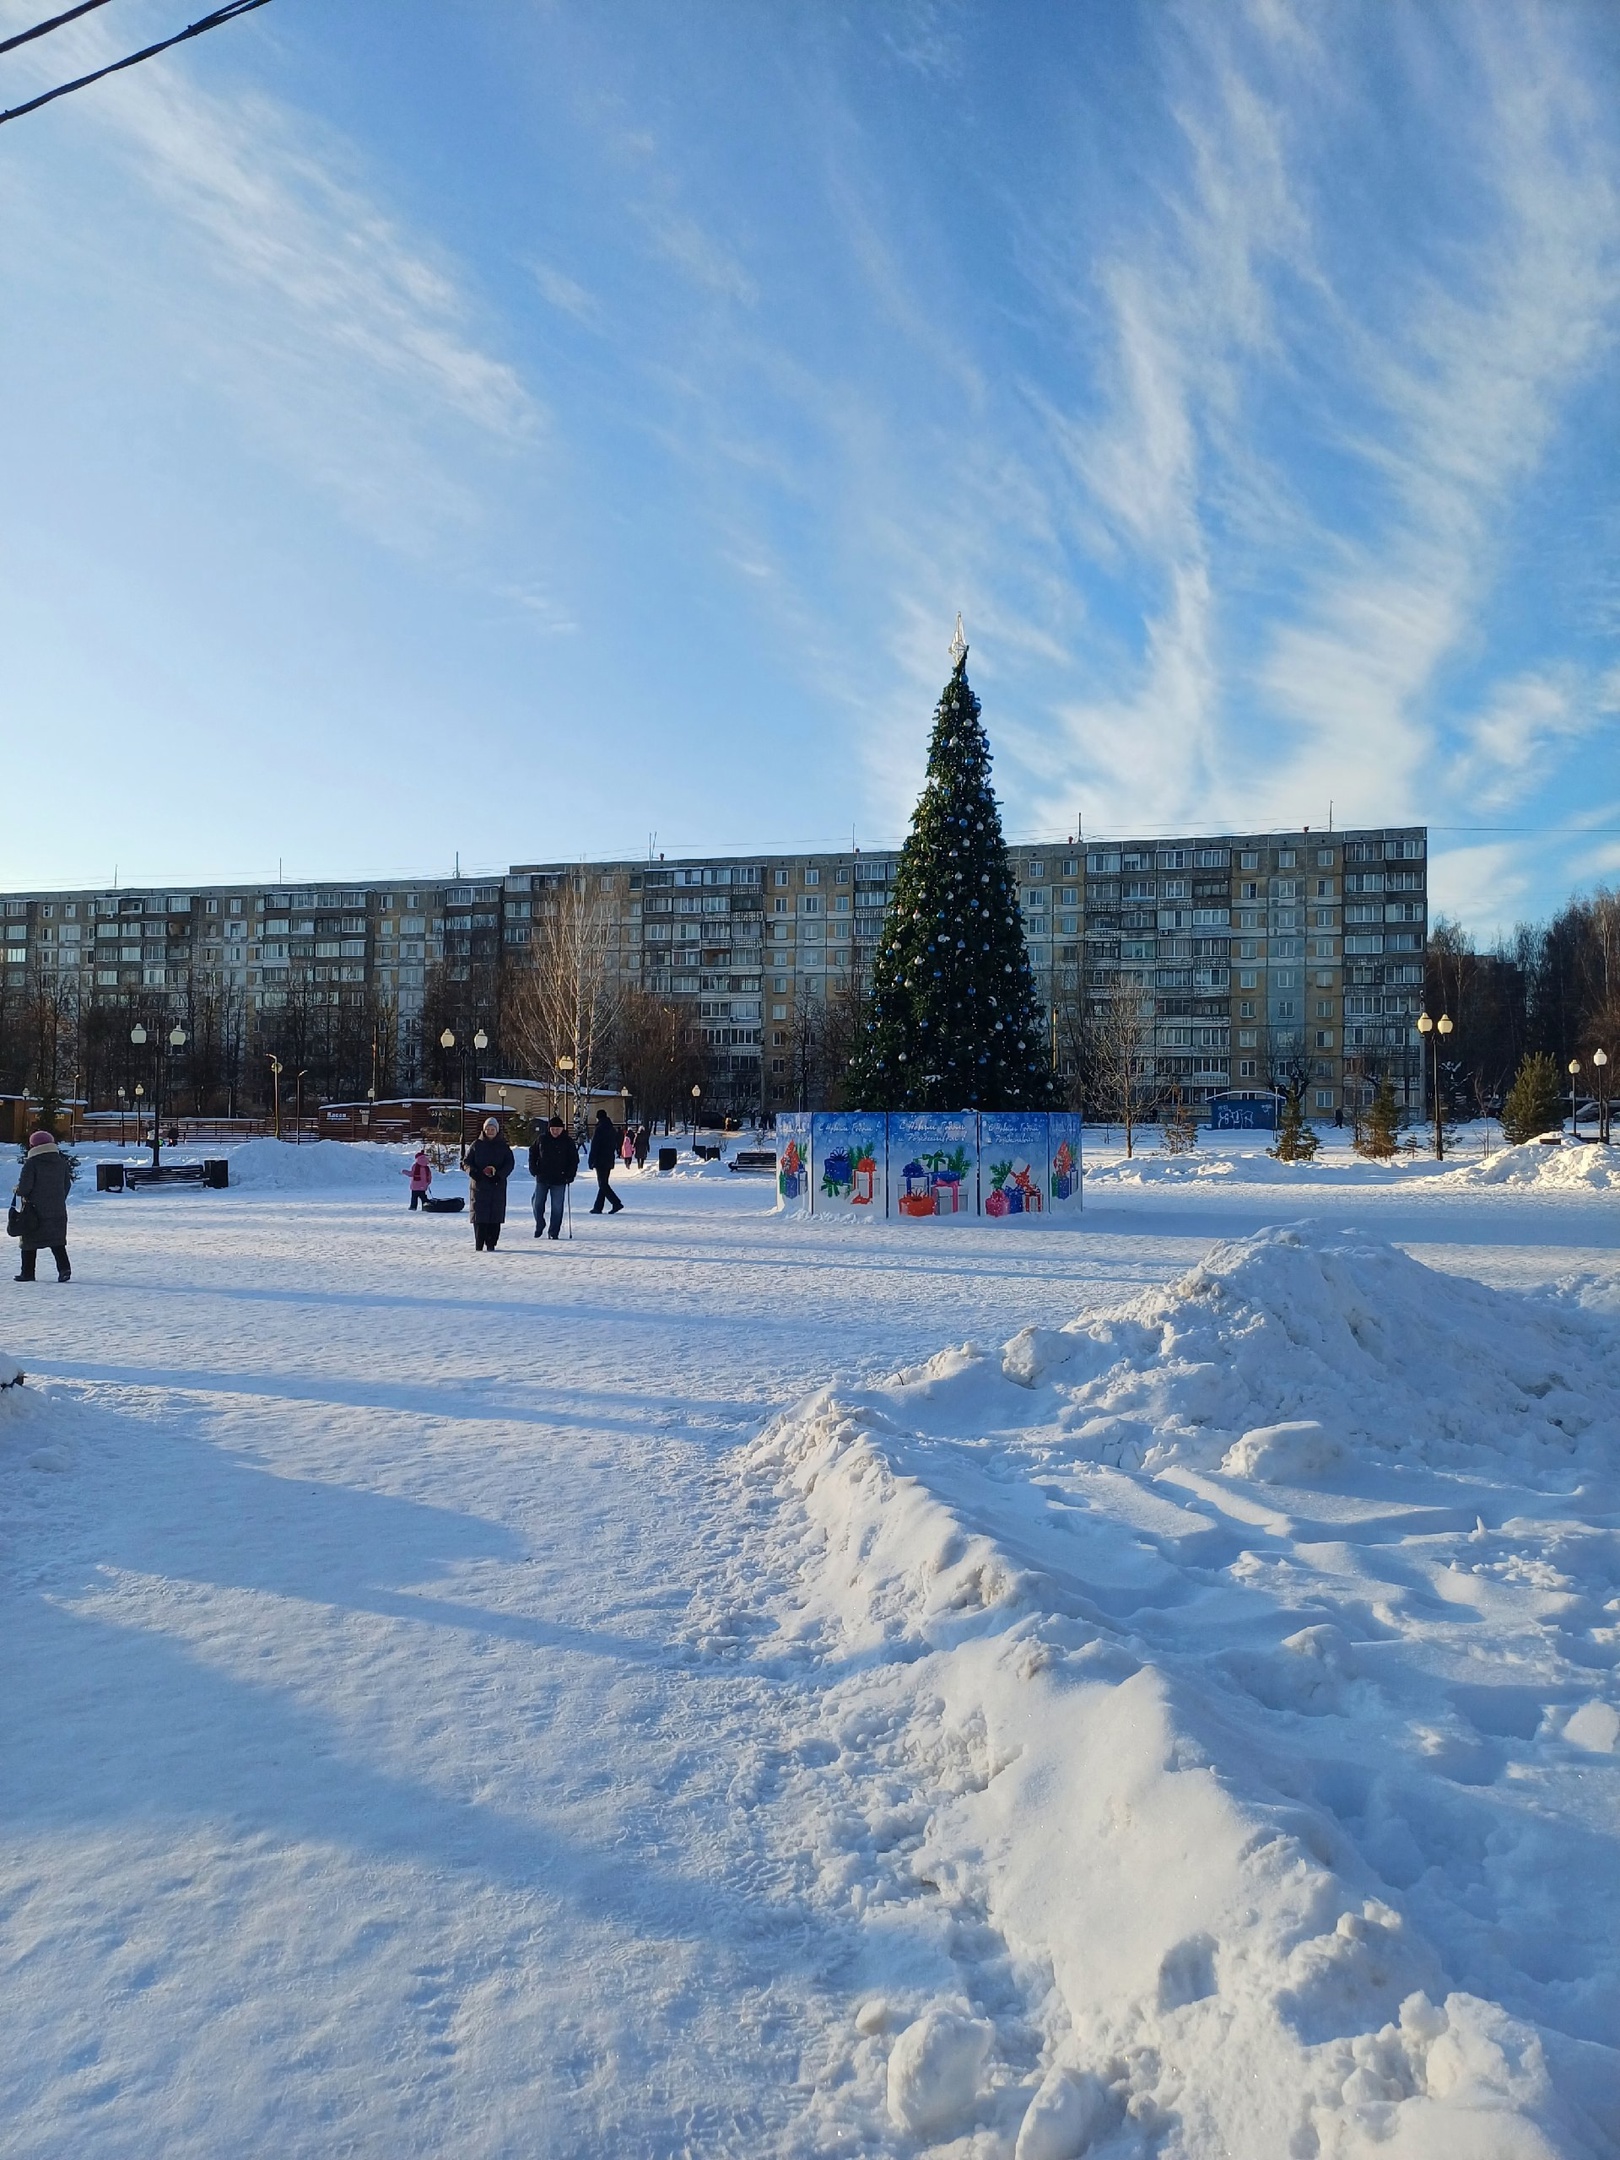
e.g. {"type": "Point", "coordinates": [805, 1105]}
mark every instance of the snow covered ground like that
{"type": "Point", "coordinates": [654, 1696]}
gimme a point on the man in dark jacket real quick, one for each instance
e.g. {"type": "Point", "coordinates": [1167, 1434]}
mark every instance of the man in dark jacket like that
{"type": "Point", "coordinates": [604, 1154]}
{"type": "Point", "coordinates": [43, 1187]}
{"type": "Point", "coordinates": [490, 1163]}
{"type": "Point", "coordinates": [554, 1165]}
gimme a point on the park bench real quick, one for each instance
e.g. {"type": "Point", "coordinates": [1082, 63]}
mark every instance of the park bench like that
{"type": "Point", "coordinates": [707, 1150]}
{"type": "Point", "coordinates": [119, 1177]}
{"type": "Point", "coordinates": [755, 1158]}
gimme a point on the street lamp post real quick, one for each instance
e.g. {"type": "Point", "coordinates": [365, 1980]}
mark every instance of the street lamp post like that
{"type": "Point", "coordinates": [275, 1091]}
{"type": "Point", "coordinates": [1574, 1100]}
{"type": "Point", "coordinates": [447, 1041]}
{"type": "Point", "coordinates": [177, 1039]}
{"type": "Point", "coordinates": [1600, 1058]}
{"type": "Point", "coordinates": [177, 1042]}
{"type": "Point", "coordinates": [696, 1092]}
{"type": "Point", "coordinates": [1435, 1029]}
{"type": "Point", "coordinates": [298, 1106]}
{"type": "Point", "coordinates": [480, 1042]}
{"type": "Point", "coordinates": [121, 1100]}
{"type": "Point", "coordinates": [565, 1066]}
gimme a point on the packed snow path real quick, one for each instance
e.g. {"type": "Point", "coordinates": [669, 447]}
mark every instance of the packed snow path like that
{"type": "Point", "coordinates": [397, 1762]}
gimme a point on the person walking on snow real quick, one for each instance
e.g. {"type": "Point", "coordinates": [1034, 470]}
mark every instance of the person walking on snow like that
{"type": "Point", "coordinates": [604, 1154]}
{"type": "Point", "coordinates": [420, 1172]}
{"type": "Point", "coordinates": [554, 1165]}
{"type": "Point", "coordinates": [43, 1189]}
{"type": "Point", "coordinates": [627, 1147]}
{"type": "Point", "coordinates": [643, 1143]}
{"type": "Point", "coordinates": [490, 1163]}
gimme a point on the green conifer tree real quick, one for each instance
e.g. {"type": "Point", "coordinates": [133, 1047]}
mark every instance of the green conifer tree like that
{"type": "Point", "coordinates": [1296, 1139]}
{"type": "Point", "coordinates": [1535, 1102]}
{"type": "Point", "coordinates": [1381, 1130]}
{"type": "Point", "coordinates": [953, 1022]}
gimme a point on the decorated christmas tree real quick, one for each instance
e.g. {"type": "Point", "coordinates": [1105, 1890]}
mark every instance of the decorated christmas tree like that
{"type": "Point", "coordinates": [953, 1023]}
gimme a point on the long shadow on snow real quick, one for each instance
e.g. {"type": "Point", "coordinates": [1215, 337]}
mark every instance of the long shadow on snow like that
{"type": "Point", "coordinates": [458, 1400]}
{"type": "Point", "coordinates": [151, 1731]}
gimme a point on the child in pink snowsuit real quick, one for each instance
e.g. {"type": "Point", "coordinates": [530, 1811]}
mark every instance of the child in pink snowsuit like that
{"type": "Point", "coordinates": [420, 1173]}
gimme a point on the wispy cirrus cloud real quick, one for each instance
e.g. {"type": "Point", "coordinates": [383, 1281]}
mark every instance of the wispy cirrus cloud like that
{"type": "Point", "coordinates": [1425, 387]}
{"type": "Point", "coordinates": [346, 341]}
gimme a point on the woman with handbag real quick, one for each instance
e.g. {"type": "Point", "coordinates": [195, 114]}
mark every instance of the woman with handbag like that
{"type": "Point", "coordinates": [39, 1207]}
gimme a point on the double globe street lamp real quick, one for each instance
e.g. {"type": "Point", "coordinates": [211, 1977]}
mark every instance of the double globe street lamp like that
{"type": "Point", "coordinates": [480, 1042]}
{"type": "Point", "coordinates": [1433, 1030]}
{"type": "Point", "coordinates": [177, 1042]}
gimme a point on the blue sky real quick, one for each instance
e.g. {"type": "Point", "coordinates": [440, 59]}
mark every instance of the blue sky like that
{"type": "Point", "coordinates": [517, 429]}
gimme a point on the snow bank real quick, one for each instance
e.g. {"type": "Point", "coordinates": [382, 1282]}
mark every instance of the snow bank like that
{"type": "Point", "coordinates": [279, 1166]}
{"type": "Point", "coordinates": [1569, 1168]}
{"type": "Point", "coordinates": [10, 1371]}
{"type": "Point", "coordinates": [1232, 1674]}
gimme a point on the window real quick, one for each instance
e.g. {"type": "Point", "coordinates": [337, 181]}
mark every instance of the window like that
{"type": "Point", "coordinates": [1071, 867]}
{"type": "Point", "coordinates": [1324, 858]}
{"type": "Point", "coordinates": [1324, 1098]}
{"type": "Point", "coordinates": [778, 1065]}
{"type": "Point", "coordinates": [1285, 859]}
{"type": "Point", "coordinates": [812, 877]}
{"type": "Point", "coordinates": [843, 877]}
{"type": "Point", "coordinates": [1037, 869]}
{"type": "Point", "coordinates": [1246, 1068]}
{"type": "Point", "coordinates": [779, 983]}
{"type": "Point", "coordinates": [781, 877]}
{"type": "Point", "coordinates": [1324, 1038]}
{"type": "Point", "coordinates": [1249, 859]}
{"type": "Point", "coordinates": [781, 907]}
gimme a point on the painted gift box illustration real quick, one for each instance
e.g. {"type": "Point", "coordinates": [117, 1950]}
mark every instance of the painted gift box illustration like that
{"type": "Point", "coordinates": [936, 1183]}
{"type": "Point", "coordinates": [1014, 1190]}
{"type": "Point", "coordinates": [850, 1173]}
{"type": "Point", "coordinates": [790, 1176]}
{"type": "Point", "coordinates": [1065, 1172]}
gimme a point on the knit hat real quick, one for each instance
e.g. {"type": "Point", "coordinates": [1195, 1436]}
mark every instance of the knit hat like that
{"type": "Point", "coordinates": [41, 1139]}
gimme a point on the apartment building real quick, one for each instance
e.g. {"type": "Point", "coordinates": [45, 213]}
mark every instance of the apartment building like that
{"type": "Point", "coordinates": [1255, 949]}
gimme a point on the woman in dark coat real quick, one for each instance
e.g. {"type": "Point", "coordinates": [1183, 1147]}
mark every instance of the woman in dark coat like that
{"type": "Point", "coordinates": [45, 1178]}
{"type": "Point", "coordinates": [489, 1165]}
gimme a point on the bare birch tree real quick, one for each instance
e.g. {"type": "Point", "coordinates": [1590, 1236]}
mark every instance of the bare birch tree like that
{"type": "Point", "coordinates": [565, 1001]}
{"type": "Point", "coordinates": [1117, 1060]}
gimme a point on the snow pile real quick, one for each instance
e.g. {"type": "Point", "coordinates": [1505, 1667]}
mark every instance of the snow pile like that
{"type": "Point", "coordinates": [1567, 1168]}
{"type": "Point", "coordinates": [10, 1371]}
{"type": "Point", "coordinates": [1233, 1679]}
{"type": "Point", "coordinates": [326, 1165]}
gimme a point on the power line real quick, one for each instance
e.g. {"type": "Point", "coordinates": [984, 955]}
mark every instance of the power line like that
{"type": "Point", "coordinates": [26, 37]}
{"type": "Point", "coordinates": [225, 14]}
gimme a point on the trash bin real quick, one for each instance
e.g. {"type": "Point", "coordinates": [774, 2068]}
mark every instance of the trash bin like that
{"type": "Point", "coordinates": [109, 1177]}
{"type": "Point", "coordinates": [667, 1157]}
{"type": "Point", "coordinates": [216, 1172]}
